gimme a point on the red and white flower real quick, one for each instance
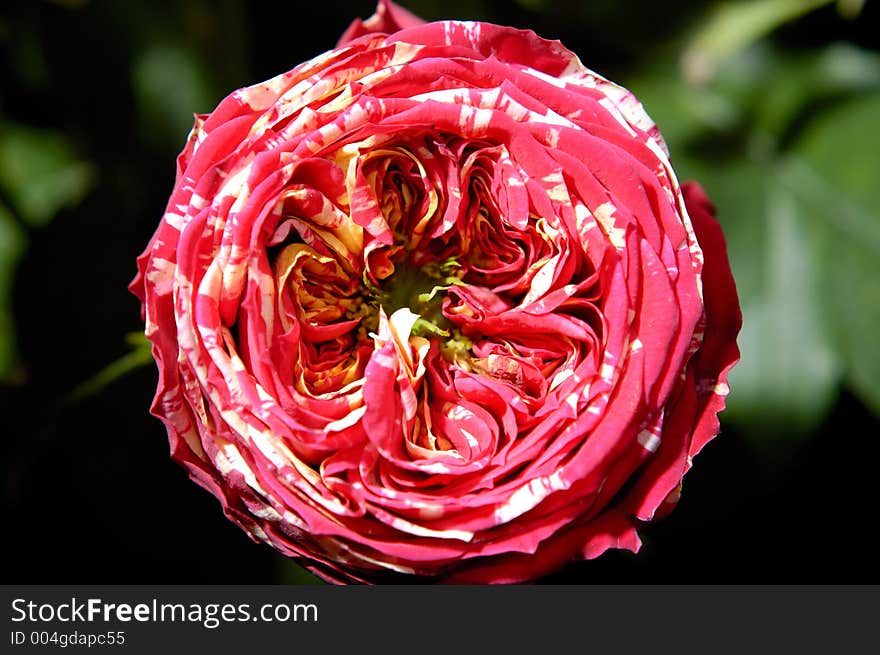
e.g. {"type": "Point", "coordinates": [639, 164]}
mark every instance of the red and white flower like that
{"type": "Point", "coordinates": [434, 303]}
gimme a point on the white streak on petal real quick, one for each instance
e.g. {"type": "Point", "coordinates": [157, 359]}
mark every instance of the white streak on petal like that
{"type": "Point", "coordinates": [347, 421]}
{"type": "Point", "coordinates": [604, 213]}
{"type": "Point", "coordinates": [528, 496]}
{"type": "Point", "coordinates": [649, 440]}
{"type": "Point", "coordinates": [175, 220]}
{"type": "Point", "coordinates": [615, 113]}
{"type": "Point", "coordinates": [161, 275]}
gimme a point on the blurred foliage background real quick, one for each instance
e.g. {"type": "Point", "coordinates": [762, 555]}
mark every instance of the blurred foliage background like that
{"type": "Point", "coordinates": [773, 105]}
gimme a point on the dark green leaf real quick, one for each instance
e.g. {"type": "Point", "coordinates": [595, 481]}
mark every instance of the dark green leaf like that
{"type": "Point", "coordinates": [757, 101]}
{"type": "Point", "coordinates": [41, 172]}
{"type": "Point", "coordinates": [735, 25]}
{"type": "Point", "coordinates": [170, 85]}
{"type": "Point", "coordinates": [835, 172]}
{"type": "Point", "coordinates": [12, 244]}
{"type": "Point", "coordinates": [139, 356]}
{"type": "Point", "coordinates": [794, 86]}
{"type": "Point", "coordinates": [788, 375]}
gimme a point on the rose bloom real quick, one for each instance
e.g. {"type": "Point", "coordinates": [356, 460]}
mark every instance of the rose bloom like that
{"type": "Point", "coordinates": [433, 303]}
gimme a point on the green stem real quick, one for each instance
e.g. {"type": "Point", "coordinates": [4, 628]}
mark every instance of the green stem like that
{"type": "Point", "coordinates": [137, 358]}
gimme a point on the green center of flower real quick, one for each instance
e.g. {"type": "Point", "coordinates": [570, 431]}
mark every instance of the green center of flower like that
{"type": "Point", "coordinates": [421, 290]}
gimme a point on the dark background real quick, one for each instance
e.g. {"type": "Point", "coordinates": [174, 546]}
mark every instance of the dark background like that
{"type": "Point", "coordinates": [105, 90]}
